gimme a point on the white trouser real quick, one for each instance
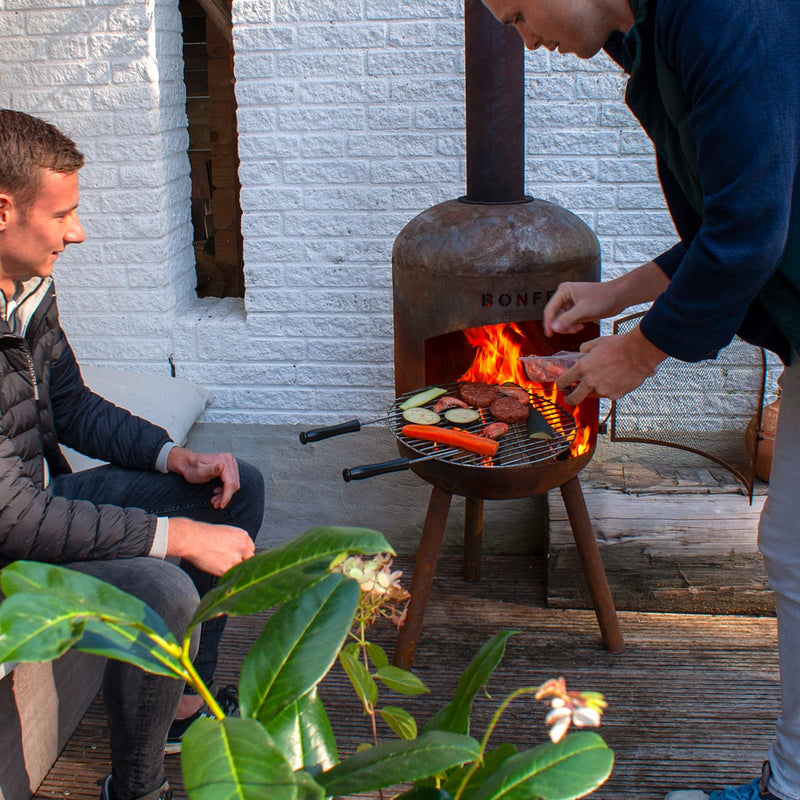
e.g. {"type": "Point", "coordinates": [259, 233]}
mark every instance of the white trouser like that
{"type": "Point", "coordinates": [779, 541]}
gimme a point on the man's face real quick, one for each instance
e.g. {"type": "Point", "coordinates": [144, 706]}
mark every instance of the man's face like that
{"type": "Point", "coordinates": [31, 239]}
{"type": "Point", "coordinates": [571, 26]}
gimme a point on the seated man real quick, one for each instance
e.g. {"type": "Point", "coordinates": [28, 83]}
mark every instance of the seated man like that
{"type": "Point", "coordinates": [118, 522]}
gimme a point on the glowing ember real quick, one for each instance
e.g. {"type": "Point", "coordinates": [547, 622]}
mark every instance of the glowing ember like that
{"type": "Point", "coordinates": [498, 350]}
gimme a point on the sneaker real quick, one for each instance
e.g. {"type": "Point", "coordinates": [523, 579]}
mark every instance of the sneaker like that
{"type": "Point", "coordinates": [228, 699]}
{"type": "Point", "coordinates": [162, 793]}
{"type": "Point", "coordinates": [756, 790]}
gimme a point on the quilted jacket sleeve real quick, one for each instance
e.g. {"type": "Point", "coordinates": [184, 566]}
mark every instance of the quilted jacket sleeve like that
{"type": "Point", "coordinates": [36, 525]}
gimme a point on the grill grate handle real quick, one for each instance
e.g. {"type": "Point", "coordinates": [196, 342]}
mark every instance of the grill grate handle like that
{"type": "Point", "coordinates": [368, 470]}
{"type": "Point", "coordinates": [318, 434]}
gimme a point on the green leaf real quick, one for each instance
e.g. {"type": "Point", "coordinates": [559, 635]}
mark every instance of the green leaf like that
{"type": "Point", "coordinates": [51, 608]}
{"type": "Point", "coordinates": [377, 655]}
{"type": "Point", "coordinates": [307, 787]}
{"type": "Point", "coordinates": [455, 715]}
{"type": "Point", "coordinates": [575, 766]}
{"type": "Point", "coordinates": [234, 759]}
{"type": "Point", "coordinates": [400, 680]}
{"type": "Point", "coordinates": [400, 721]}
{"type": "Point", "coordinates": [274, 576]}
{"type": "Point", "coordinates": [492, 759]}
{"type": "Point", "coordinates": [398, 762]}
{"type": "Point", "coordinates": [37, 628]}
{"type": "Point", "coordinates": [297, 647]}
{"type": "Point", "coordinates": [424, 793]}
{"type": "Point", "coordinates": [362, 681]}
{"type": "Point", "coordinates": [303, 733]}
{"type": "Point", "coordinates": [83, 593]}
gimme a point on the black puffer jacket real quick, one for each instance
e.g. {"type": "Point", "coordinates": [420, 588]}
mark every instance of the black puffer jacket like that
{"type": "Point", "coordinates": [44, 402]}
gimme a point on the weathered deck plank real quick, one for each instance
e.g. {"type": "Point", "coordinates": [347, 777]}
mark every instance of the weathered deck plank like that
{"type": "Point", "coordinates": [679, 539]}
{"type": "Point", "coordinates": [692, 699]}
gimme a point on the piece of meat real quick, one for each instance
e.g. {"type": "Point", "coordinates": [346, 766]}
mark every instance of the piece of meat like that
{"type": "Point", "coordinates": [478, 395]}
{"type": "Point", "coordinates": [508, 409]}
{"type": "Point", "coordinates": [544, 371]}
{"type": "Point", "coordinates": [513, 390]}
{"type": "Point", "coordinates": [448, 401]}
{"type": "Point", "coordinates": [494, 430]}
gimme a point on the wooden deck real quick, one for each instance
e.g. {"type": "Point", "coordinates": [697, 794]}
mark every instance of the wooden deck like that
{"type": "Point", "coordinates": [692, 700]}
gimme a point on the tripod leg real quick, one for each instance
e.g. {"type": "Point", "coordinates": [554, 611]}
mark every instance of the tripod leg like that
{"type": "Point", "coordinates": [593, 570]}
{"type": "Point", "coordinates": [473, 538]}
{"type": "Point", "coordinates": [430, 544]}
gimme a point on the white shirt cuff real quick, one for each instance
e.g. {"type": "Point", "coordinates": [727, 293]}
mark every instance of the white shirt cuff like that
{"type": "Point", "coordinates": [161, 461]}
{"type": "Point", "coordinates": [161, 538]}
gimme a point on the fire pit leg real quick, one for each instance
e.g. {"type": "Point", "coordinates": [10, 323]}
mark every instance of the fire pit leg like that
{"type": "Point", "coordinates": [593, 569]}
{"type": "Point", "coordinates": [473, 538]}
{"type": "Point", "coordinates": [430, 544]}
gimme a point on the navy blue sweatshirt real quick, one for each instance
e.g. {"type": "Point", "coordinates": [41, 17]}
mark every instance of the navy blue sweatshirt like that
{"type": "Point", "coordinates": [716, 84]}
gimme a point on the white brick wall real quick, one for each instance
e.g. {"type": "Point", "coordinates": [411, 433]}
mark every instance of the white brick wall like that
{"type": "Point", "coordinates": [351, 122]}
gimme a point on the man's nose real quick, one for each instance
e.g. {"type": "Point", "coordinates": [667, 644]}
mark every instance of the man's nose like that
{"type": "Point", "coordinates": [75, 233]}
{"type": "Point", "coordinates": [529, 38]}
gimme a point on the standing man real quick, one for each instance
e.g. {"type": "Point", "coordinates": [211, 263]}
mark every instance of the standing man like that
{"type": "Point", "coordinates": [715, 84]}
{"type": "Point", "coordinates": [118, 522]}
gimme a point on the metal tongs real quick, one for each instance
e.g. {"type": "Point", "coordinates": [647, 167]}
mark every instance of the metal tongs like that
{"type": "Point", "coordinates": [399, 464]}
{"type": "Point", "coordinates": [350, 426]}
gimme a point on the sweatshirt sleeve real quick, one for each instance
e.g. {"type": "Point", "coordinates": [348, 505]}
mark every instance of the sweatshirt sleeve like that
{"type": "Point", "coordinates": [740, 74]}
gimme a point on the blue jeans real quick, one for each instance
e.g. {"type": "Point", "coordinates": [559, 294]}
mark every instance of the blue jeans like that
{"type": "Point", "coordinates": [141, 706]}
{"type": "Point", "coordinates": [779, 541]}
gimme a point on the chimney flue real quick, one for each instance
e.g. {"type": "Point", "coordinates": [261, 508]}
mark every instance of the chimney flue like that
{"type": "Point", "coordinates": [495, 108]}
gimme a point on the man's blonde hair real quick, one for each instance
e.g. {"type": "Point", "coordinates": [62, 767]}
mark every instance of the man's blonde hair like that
{"type": "Point", "coordinates": [27, 146]}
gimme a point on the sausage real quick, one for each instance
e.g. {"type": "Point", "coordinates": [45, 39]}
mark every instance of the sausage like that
{"type": "Point", "coordinates": [494, 430]}
{"type": "Point", "coordinates": [448, 401]}
{"type": "Point", "coordinates": [512, 390]}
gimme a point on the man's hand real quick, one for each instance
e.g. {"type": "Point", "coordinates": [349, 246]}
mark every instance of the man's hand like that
{"type": "Point", "coordinates": [204, 467]}
{"type": "Point", "coordinates": [211, 548]}
{"type": "Point", "coordinates": [612, 366]}
{"type": "Point", "coordinates": [573, 304]}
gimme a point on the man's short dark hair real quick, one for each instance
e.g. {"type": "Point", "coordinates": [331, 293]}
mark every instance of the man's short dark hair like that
{"type": "Point", "coordinates": [28, 145]}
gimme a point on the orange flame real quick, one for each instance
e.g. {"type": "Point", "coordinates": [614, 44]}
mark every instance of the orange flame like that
{"type": "Point", "coordinates": [498, 350]}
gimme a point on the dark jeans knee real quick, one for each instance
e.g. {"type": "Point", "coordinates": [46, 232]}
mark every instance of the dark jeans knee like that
{"type": "Point", "coordinates": [247, 505]}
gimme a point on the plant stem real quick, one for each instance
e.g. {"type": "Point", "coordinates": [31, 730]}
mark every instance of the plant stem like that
{"type": "Point", "coordinates": [489, 731]}
{"type": "Point", "coordinates": [196, 681]}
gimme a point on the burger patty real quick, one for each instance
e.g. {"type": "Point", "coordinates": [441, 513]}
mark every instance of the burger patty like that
{"type": "Point", "coordinates": [509, 410]}
{"type": "Point", "coordinates": [478, 395]}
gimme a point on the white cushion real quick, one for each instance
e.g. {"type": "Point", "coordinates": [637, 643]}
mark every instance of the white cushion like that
{"type": "Point", "coordinates": [172, 403]}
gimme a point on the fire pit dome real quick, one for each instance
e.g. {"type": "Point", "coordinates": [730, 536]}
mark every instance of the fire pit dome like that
{"type": "Point", "coordinates": [461, 265]}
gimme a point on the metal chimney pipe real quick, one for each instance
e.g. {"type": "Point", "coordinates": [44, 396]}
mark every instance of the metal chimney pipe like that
{"type": "Point", "coordinates": [495, 109]}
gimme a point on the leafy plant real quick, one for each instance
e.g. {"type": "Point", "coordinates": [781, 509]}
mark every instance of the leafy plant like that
{"type": "Point", "coordinates": [283, 747]}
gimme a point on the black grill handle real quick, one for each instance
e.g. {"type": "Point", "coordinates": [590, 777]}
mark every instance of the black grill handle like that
{"type": "Point", "coordinates": [368, 470]}
{"type": "Point", "coordinates": [318, 434]}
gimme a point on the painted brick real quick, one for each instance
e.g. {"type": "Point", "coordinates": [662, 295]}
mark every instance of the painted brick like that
{"type": "Point", "coordinates": [351, 123]}
{"type": "Point", "coordinates": [341, 36]}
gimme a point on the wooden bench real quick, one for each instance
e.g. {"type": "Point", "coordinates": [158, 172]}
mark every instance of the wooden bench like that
{"type": "Point", "coordinates": [40, 707]}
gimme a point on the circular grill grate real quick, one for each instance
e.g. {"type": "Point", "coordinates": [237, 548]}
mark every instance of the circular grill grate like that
{"type": "Point", "coordinates": [516, 448]}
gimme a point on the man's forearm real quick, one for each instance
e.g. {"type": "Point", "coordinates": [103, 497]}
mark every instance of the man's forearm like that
{"type": "Point", "coordinates": [640, 285]}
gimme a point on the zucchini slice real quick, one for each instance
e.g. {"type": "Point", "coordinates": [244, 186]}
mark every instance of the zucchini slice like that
{"type": "Point", "coordinates": [420, 398]}
{"type": "Point", "coordinates": [421, 416]}
{"type": "Point", "coordinates": [461, 416]}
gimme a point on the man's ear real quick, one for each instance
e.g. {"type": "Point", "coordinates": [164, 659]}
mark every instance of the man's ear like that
{"type": "Point", "coordinates": [6, 204]}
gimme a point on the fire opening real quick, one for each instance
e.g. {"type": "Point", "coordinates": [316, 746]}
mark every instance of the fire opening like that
{"type": "Point", "coordinates": [491, 354]}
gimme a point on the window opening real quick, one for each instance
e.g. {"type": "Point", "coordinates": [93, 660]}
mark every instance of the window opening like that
{"type": "Point", "coordinates": [213, 147]}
